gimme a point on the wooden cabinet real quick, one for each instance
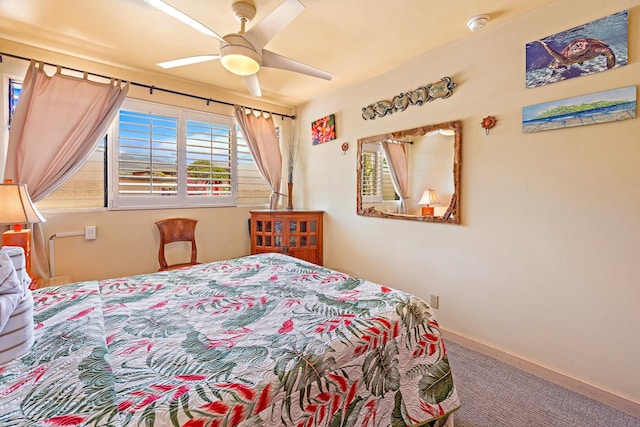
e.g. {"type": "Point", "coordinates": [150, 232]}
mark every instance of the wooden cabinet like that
{"type": "Point", "coordinates": [295, 233]}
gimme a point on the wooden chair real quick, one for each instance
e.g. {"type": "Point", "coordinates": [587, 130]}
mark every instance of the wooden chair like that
{"type": "Point", "coordinates": [177, 230]}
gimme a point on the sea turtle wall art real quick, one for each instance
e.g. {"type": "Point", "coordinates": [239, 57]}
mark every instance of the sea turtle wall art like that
{"type": "Point", "coordinates": [596, 46]}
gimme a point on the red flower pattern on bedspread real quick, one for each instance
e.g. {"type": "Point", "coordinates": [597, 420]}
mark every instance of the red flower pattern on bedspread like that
{"type": "Point", "coordinates": [82, 313]}
{"type": "Point", "coordinates": [330, 325]}
{"type": "Point", "coordinates": [327, 406]}
{"type": "Point", "coordinates": [65, 420]}
{"type": "Point", "coordinates": [26, 379]}
{"type": "Point", "coordinates": [376, 335]}
{"type": "Point", "coordinates": [429, 342]}
{"type": "Point", "coordinates": [159, 304]}
{"type": "Point", "coordinates": [137, 345]}
{"type": "Point", "coordinates": [287, 326]}
{"type": "Point", "coordinates": [231, 341]}
{"type": "Point", "coordinates": [49, 299]}
{"type": "Point", "coordinates": [334, 278]}
{"type": "Point", "coordinates": [349, 296]}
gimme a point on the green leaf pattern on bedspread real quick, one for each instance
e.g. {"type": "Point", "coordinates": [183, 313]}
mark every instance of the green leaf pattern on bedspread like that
{"type": "Point", "coordinates": [264, 340]}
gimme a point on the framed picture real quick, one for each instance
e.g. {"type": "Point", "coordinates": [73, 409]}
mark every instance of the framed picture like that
{"type": "Point", "coordinates": [601, 107]}
{"type": "Point", "coordinates": [323, 130]}
{"type": "Point", "coordinates": [596, 46]}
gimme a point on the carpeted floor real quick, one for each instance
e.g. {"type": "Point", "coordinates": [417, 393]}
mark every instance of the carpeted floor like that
{"type": "Point", "coordinates": [494, 394]}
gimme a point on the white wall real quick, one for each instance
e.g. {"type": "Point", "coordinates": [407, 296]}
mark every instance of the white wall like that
{"type": "Point", "coordinates": [544, 265]}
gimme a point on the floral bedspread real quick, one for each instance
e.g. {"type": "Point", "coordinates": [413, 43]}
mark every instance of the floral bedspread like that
{"type": "Point", "coordinates": [263, 340]}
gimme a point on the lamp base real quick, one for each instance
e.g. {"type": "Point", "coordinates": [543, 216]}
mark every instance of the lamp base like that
{"type": "Point", "coordinates": [427, 211]}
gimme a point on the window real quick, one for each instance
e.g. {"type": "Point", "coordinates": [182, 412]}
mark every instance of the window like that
{"type": "Point", "coordinates": [146, 156]}
{"type": "Point", "coordinates": [172, 157]}
{"type": "Point", "coordinates": [371, 176]}
{"type": "Point", "coordinates": [85, 188]}
{"type": "Point", "coordinates": [388, 192]}
{"type": "Point", "coordinates": [376, 178]}
{"type": "Point", "coordinates": [15, 87]}
{"type": "Point", "coordinates": [162, 156]}
{"type": "Point", "coordinates": [167, 156]}
{"type": "Point", "coordinates": [210, 162]}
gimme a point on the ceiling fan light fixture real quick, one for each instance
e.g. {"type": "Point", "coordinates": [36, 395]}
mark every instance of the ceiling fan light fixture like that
{"type": "Point", "coordinates": [240, 64]}
{"type": "Point", "coordinates": [238, 56]}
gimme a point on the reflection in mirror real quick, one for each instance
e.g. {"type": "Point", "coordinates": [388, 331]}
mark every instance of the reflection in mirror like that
{"type": "Point", "coordinates": [411, 174]}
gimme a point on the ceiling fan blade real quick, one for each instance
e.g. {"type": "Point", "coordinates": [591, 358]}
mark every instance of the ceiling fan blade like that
{"type": "Point", "coordinates": [182, 17]}
{"type": "Point", "coordinates": [187, 61]}
{"type": "Point", "coordinates": [273, 60]}
{"type": "Point", "coordinates": [262, 32]}
{"type": "Point", "coordinates": [253, 84]}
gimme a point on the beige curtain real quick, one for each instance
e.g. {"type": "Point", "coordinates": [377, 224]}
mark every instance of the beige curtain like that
{"type": "Point", "coordinates": [399, 169]}
{"type": "Point", "coordinates": [58, 122]}
{"type": "Point", "coordinates": [265, 149]}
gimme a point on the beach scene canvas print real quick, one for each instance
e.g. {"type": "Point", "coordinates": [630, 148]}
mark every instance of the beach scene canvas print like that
{"type": "Point", "coordinates": [609, 106]}
{"type": "Point", "coordinates": [596, 46]}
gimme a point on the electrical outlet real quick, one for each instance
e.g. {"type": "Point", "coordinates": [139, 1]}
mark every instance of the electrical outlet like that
{"type": "Point", "coordinates": [434, 301]}
{"type": "Point", "coordinates": [90, 232]}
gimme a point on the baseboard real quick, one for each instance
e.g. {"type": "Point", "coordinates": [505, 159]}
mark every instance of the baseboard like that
{"type": "Point", "coordinates": [610, 399]}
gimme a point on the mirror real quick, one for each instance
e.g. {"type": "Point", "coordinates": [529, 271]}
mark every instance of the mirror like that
{"type": "Point", "coordinates": [412, 174]}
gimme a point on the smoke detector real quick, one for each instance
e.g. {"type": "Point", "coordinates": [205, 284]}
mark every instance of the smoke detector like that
{"type": "Point", "coordinates": [478, 22]}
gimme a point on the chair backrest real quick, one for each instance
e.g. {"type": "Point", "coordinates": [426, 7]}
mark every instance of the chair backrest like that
{"type": "Point", "coordinates": [177, 230]}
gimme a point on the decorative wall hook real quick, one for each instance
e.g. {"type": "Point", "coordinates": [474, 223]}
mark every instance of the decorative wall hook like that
{"type": "Point", "coordinates": [345, 147]}
{"type": "Point", "coordinates": [488, 123]}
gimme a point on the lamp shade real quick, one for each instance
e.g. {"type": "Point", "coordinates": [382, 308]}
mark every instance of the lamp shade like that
{"type": "Point", "coordinates": [16, 206]}
{"type": "Point", "coordinates": [429, 197]}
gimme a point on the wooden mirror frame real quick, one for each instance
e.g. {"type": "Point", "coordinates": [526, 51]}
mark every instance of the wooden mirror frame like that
{"type": "Point", "coordinates": [452, 215]}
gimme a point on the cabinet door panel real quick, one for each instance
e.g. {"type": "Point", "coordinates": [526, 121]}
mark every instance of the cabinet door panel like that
{"type": "Point", "coordinates": [310, 255]}
{"type": "Point", "coordinates": [296, 233]}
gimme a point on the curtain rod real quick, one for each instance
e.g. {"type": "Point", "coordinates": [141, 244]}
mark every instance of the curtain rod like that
{"type": "Point", "coordinates": [151, 87]}
{"type": "Point", "coordinates": [398, 141]}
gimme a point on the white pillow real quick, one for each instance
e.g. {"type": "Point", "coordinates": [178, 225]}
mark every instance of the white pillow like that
{"type": "Point", "coordinates": [16, 305]}
{"type": "Point", "coordinates": [9, 282]}
{"type": "Point", "coordinates": [11, 290]}
{"type": "Point", "coordinates": [16, 254]}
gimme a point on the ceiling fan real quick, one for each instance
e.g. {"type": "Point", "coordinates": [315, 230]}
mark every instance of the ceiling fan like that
{"type": "Point", "coordinates": [243, 52]}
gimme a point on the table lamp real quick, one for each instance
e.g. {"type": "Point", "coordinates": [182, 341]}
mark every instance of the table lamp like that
{"type": "Point", "coordinates": [17, 208]}
{"type": "Point", "coordinates": [428, 199]}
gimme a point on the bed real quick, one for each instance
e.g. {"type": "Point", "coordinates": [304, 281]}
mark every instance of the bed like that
{"type": "Point", "coordinates": [262, 340]}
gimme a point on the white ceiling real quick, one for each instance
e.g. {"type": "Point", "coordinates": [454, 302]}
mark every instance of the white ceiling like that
{"type": "Point", "coordinates": [353, 39]}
